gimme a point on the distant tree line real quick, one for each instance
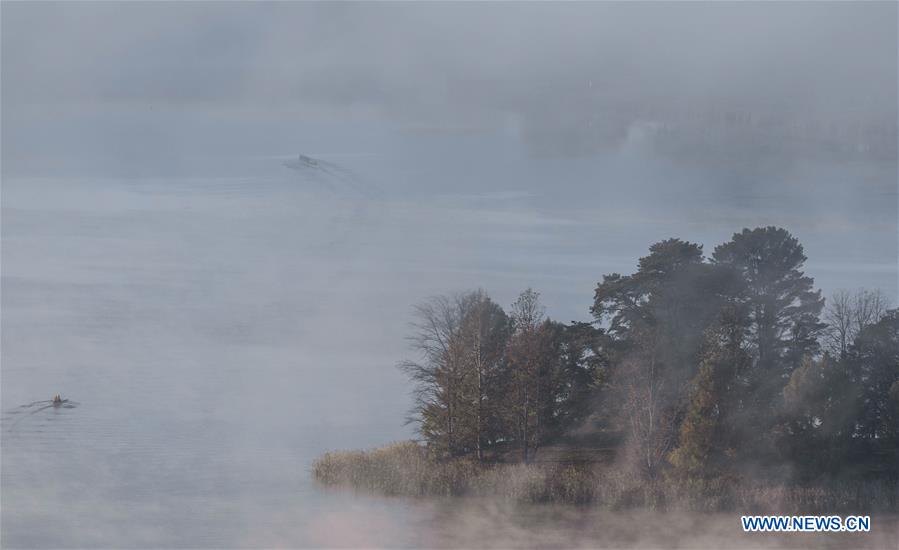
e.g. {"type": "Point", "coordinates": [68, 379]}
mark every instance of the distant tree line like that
{"type": "Point", "coordinates": [703, 367]}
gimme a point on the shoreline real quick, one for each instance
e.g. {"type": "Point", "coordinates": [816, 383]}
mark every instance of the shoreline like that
{"type": "Point", "coordinates": [406, 469]}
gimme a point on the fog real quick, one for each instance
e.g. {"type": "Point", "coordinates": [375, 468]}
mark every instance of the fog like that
{"type": "Point", "coordinates": [221, 318]}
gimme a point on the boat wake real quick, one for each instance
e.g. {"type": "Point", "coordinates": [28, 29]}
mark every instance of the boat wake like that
{"type": "Point", "coordinates": [16, 416]}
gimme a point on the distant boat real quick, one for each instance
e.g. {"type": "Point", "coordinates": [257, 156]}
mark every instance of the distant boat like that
{"type": "Point", "coordinates": [333, 177]}
{"type": "Point", "coordinates": [303, 162]}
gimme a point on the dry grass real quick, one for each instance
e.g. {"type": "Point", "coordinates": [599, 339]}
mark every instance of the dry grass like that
{"type": "Point", "coordinates": [407, 469]}
{"type": "Point", "coordinates": [397, 469]}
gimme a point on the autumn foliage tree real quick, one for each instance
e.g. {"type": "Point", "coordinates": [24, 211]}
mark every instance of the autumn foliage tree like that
{"type": "Point", "coordinates": [706, 437]}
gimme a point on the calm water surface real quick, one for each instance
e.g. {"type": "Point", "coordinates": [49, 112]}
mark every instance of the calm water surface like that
{"type": "Point", "coordinates": [214, 336]}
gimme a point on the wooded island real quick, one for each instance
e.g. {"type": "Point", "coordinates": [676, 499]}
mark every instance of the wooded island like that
{"type": "Point", "coordinates": [710, 383]}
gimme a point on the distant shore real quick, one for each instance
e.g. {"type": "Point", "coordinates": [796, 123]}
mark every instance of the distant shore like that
{"type": "Point", "coordinates": [407, 469]}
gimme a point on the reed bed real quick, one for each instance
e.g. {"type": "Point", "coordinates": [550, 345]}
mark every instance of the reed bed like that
{"type": "Point", "coordinates": [408, 469]}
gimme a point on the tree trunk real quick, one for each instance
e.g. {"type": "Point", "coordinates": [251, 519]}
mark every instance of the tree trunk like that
{"type": "Point", "coordinates": [480, 414]}
{"type": "Point", "coordinates": [524, 438]}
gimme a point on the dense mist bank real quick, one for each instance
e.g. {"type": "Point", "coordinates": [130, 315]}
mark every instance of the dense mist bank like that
{"type": "Point", "coordinates": [486, 523]}
{"type": "Point", "coordinates": [704, 383]}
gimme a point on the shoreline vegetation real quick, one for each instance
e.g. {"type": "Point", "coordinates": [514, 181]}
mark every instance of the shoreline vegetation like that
{"type": "Point", "coordinates": [704, 384]}
{"type": "Point", "coordinates": [408, 469]}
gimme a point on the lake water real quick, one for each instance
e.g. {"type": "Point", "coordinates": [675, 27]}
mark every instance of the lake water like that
{"type": "Point", "coordinates": [214, 336]}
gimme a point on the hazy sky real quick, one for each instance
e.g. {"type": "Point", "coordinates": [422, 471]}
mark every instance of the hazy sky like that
{"type": "Point", "coordinates": [179, 79]}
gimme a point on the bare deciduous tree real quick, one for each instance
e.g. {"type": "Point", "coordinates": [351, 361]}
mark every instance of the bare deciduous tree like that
{"type": "Point", "coordinates": [460, 340]}
{"type": "Point", "coordinates": [848, 313]}
{"type": "Point", "coordinates": [527, 314]}
{"type": "Point", "coordinates": [438, 371]}
{"type": "Point", "coordinates": [647, 411]}
{"type": "Point", "coordinates": [485, 331]}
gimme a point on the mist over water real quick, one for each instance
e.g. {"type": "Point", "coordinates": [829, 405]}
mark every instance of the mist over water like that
{"type": "Point", "coordinates": [219, 319]}
{"type": "Point", "coordinates": [219, 334]}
